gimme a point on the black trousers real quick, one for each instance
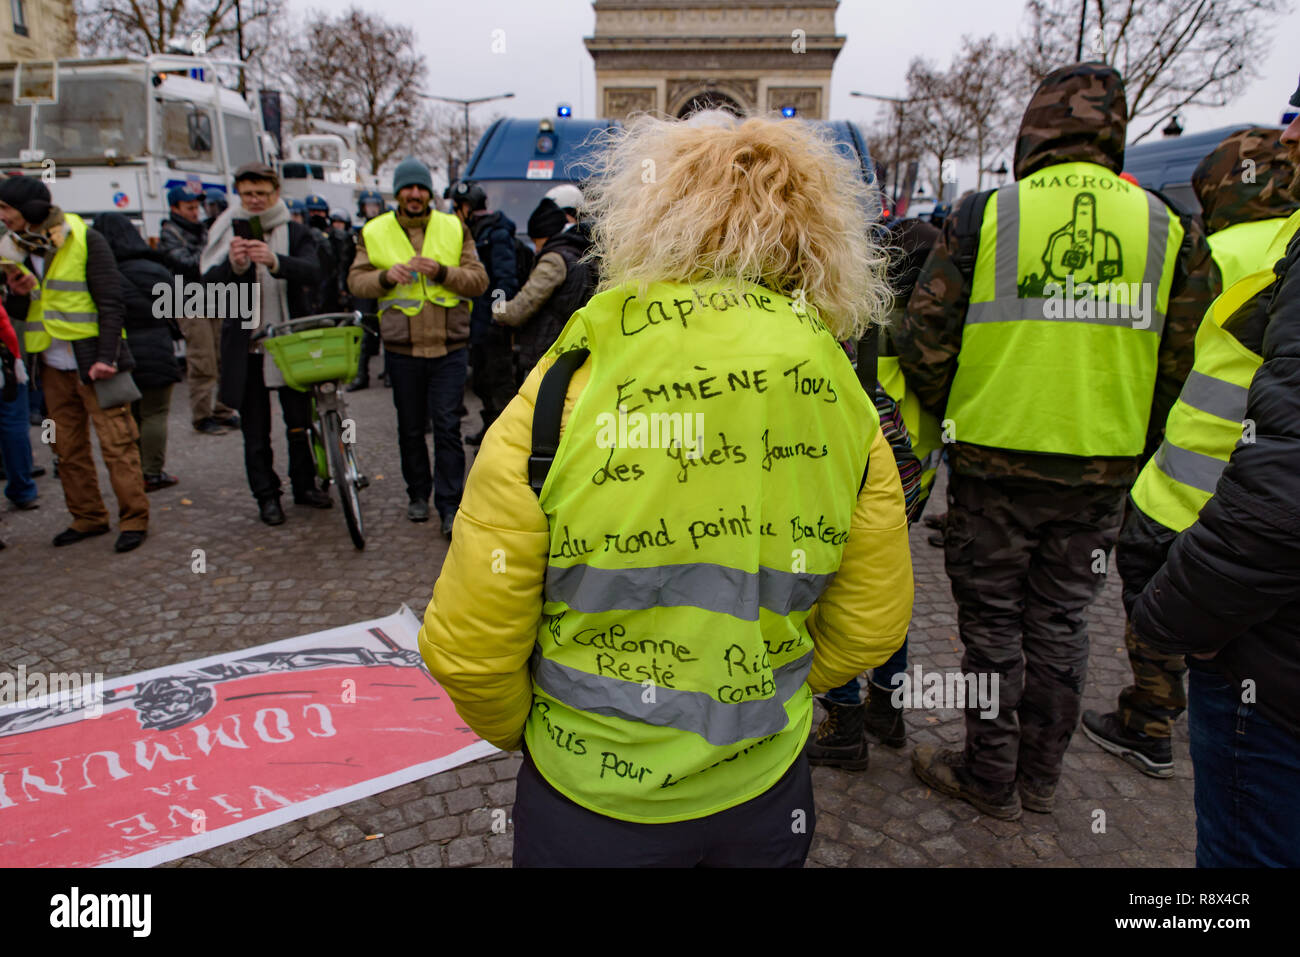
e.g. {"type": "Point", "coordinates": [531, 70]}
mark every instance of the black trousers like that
{"type": "Point", "coordinates": [255, 422]}
{"type": "Point", "coordinates": [774, 829]}
{"type": "Point", "coordinates": [424, 388]}
{"type": "Point", "coordinates": [494, 372]}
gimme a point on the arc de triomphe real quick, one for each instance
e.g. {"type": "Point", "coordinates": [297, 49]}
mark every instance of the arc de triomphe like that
{"type": "Point", "coordinates": [675, 56]}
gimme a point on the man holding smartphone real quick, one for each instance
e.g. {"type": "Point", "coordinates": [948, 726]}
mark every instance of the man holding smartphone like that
{"type": "Point", "coordinates": [424, 307]}
{"type": "Point", "coordinates": [255, 242]}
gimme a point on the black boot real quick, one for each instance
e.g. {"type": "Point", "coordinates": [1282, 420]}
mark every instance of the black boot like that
{"type": "Point", "coordinates": [838, 741]}
{"type": "Point", "coordinates": [884, 721]}
{"type": "Point", "coordinates": [362, 379]}
{"type": "Point", "coordinates": [1153, 756]}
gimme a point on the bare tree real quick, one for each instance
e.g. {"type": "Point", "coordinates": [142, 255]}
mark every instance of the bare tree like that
{"type": "Point", "coordinates": [448, 140]}
{"type": "Point", "coordinates": [985, 86]}
{"type": "Point", "coordinates": [214, 26]}
{"type": "Point", "coordinates": [360, 68]}
{"type": "Point", "coordinates": [934, 118]}
{"type": "Point", "coordinates": [1171, 53]}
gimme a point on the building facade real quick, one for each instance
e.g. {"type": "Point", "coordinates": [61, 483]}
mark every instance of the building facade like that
{"type": "Point", "coordinates": [38, 30]}
{"type": "Point", "coordinates": [677, 56]}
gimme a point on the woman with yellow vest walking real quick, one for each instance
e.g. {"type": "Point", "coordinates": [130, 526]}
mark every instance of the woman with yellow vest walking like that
{"type": "Point", "coordinates": [710, 525]}
{"type": "Point", "coordinates": [65, 289]}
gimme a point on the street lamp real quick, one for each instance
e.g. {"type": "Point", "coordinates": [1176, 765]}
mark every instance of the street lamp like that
{"type": "Point", "coordinates": [899, 103]}
{"type": "Point", "coordinates": [1000, 172]}
{"type": "Point", "coordinates": [466, 104]}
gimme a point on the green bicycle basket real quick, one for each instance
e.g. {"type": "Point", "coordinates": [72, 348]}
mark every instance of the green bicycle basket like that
{"type": "Point", "coordinates": [316, 355]}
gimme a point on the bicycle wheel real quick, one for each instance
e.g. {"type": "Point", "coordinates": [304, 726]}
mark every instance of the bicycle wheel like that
{"type": "Point", "coordinates": [344, 477]}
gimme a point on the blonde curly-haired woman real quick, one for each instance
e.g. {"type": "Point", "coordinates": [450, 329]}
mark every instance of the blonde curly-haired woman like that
{"type": "Point", "coordinates": [721, 531]}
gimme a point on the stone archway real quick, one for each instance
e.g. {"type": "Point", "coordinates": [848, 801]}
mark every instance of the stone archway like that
{"type": "Point", "coordinates": [710, 100]}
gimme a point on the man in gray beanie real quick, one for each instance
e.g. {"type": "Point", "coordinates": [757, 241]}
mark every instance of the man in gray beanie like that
{"type": "Point", "coordinates": [424, 306]}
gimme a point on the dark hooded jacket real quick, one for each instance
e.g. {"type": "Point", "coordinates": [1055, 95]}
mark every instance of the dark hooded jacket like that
{"type": "Point", "coordinates": [1077, 114]}
{"type": "Point", "coordinates": [1231, 584]}
{"type": "Point", "coordinates": [537, 335]}
{"type": "Point", "coordinates": [494, 240]}
{"type": "Point", "coordinates": [181, 243]}
{"type": "Point", "coordinates": [149, 335]}
{"type": "Point", "coordinates": [1245, 179]}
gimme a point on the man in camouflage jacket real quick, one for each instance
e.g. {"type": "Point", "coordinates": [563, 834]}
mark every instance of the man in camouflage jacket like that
{"type": "Point", "coordinates": [1024, 530]}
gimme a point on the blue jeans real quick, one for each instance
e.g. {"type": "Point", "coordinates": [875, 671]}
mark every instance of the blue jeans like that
{"type": "Point", "coordinates": [424, 388]}
{"type": "Point", "coordinates": [883, 677]}
{"type": "Point", "coordinates": [1247, 779]}
{"type": "Point", "coordinates": [16, 448]}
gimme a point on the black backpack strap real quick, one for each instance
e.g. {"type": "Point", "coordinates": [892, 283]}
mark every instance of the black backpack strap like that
{"type": "Point", "coordinates": [547, 413]}
{"type": "Point", "coordinates": [970, 217]}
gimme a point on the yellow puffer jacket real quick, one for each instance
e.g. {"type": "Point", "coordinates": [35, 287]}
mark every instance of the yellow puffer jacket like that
{"type": "Point", "coordinates": [480, 626]}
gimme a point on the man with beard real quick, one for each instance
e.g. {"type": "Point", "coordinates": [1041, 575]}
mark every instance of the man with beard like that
{"type": "Point", "coordinates": [424, 316]}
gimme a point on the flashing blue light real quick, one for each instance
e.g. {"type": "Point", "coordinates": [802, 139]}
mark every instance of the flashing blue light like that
{"type": "Point", "coordinates": [788, 112]}
{"type": "Point", "coordinates": [564, 109]}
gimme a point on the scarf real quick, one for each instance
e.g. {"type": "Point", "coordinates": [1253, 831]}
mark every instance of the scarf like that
{"type": "Point", "coordinates": [273, 300]}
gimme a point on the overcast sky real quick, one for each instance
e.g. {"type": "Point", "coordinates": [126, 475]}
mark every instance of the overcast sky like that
{"type": "Point", "coordinates": [545, 62]}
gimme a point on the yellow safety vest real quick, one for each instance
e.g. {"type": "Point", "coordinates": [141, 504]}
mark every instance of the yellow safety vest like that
{"type": "Point", "coordinates": [1238, 250]}
{"type": "Point", "coordinates": [61, 306]}
{"type": "Point", "coordinates": [1207, 421]}
{"type": "Point", "coordinates": [922, 427]}
{"type": "Point", "coordinates": [387, 244]}
{"type": "Point", "coordinates": [1071, 286]}
{"type": "Point", "coordinates": [671, 661]}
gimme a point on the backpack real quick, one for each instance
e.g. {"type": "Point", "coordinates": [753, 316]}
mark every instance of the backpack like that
{"type": "Point", "coordinates": [525, 260]}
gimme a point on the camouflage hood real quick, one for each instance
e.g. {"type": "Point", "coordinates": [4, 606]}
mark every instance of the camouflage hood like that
{"type": "Point", "coordinates": [1245, 179]}
{"type": "Point", "coordinates": [1078, 114]}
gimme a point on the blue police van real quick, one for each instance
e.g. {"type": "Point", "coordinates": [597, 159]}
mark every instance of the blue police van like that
{"type": "Point", "coordinates": [519, 160]}
{"type": "Point", "coordinates": [1167, 165]}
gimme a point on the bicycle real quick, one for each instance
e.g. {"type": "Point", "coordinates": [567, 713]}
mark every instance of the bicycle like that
{"type": "Point", "coordinates": [317, 354]}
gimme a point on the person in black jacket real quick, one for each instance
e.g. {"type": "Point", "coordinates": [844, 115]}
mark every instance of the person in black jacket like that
{"type": "Point", "coordinates": [1228, 596]}
{"type": "Point", "coordinates": [283, 270]}
{"type": "Point", "coordinates": [489, 343]}
{"type": "Point", "coordinates": [181, 239]}
{"type": "Point", "coordinates": [151, 339]}
{"type": "Point", "coordinates": [559, 285]}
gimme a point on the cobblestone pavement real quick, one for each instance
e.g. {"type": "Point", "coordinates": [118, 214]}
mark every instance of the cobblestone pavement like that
{"type": "Point", "coordinates": [85, 608]}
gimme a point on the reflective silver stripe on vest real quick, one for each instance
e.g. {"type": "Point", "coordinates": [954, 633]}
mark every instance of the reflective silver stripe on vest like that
{"type": "Point", "coordinates": [1157, 237]}
{"type": "Point", "coordinates": [728, 591]}
{"type": "Point", "coordinates": [67, 285]}
{"type": "Point", "coordinates": [70, 316]}
{"type": "Point", "coordinates": [1225, 400]}
{"type": "Point", "coordinates": [1188, 467]}
{"type": "Point", "coordinates": [404, 303]}
{"type": "Point", "coordinates": [715, 721]}
{"type": "Point", "coordinates": [1007, 264]}
{"type": "Point", "coordinates": [1007, 307]}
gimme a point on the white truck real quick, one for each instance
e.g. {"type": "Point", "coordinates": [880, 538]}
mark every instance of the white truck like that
{"type": "Point", "coordinates": [118, 133]}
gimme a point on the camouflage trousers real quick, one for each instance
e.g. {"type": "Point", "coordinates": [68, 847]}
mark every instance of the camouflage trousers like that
{"type": "Point", "coordinates": [1026, 558]}
{"type": "Point", "coordinates": [1156, 698]}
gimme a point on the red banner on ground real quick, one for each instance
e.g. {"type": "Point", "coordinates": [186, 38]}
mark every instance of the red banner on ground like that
{"type": "Point", "coordinates": [199, 754]}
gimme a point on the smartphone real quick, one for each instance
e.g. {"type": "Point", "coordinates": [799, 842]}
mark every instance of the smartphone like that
{"type": "Point", "coordinates": [255, 226]}
{"type": "Point", "coordinates": [243, 228]}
